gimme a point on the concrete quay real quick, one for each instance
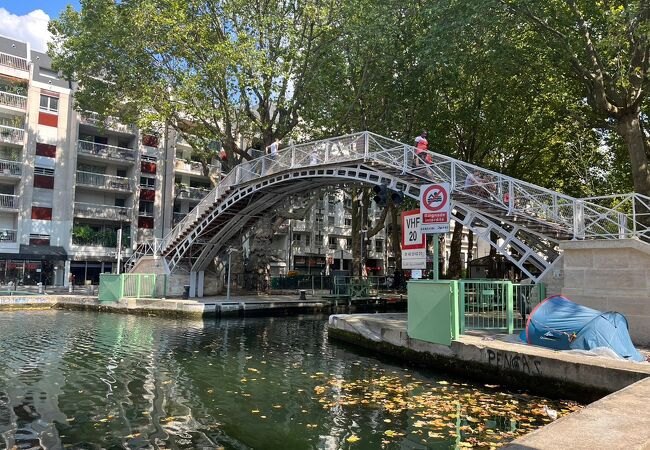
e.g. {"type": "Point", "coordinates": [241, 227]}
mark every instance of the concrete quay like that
{"type": "Point", "coordinates": [618, 421]}
{"type": "Point", "coordinates": [204, 307]}
{"type": "Point", "coordinates": [547, 372]}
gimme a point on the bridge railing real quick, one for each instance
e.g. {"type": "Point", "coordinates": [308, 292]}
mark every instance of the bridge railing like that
{"type": "Point", "coordinates": [598, 217]}
{"type": "Point", "coordinates": [608, 217]}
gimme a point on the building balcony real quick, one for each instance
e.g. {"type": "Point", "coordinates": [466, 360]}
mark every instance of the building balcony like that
{"type": "Point", "coordinates": [9, 202]}
{"type": "Point", "coordinates": [14, 62]}
{"type": "Point", "coordinates": [8, 236]}
{"type": "Point", "coordinates": [104, 212]}
{"type": "Point", "coordinates": [191, 167]}
{"type": "Point", "coordinates": [105, 151]}
{"type": "Point", "coordinates": [110, 123]}
{"type": "Point", "coordinates": [13, 101]}
{"type": "Point", "coordinates": [104, 182]}
{"type": "Point", "coordinates": [11, 135]}
{"type": "Point", "coordinates": [191, 193]}
{"type": "Point", "coordinates": [11, 169]}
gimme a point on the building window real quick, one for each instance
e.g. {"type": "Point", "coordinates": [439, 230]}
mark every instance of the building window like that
{"type": "Point", "coordinates": [49, 104]}
{"type": "Point", "coordinates": [348, 243]}
{"type": "Point", "coordinates": [41, 213]}
{"type": "Point", "coordinates": [148, 167]}
{"type": "Point", "coordinates": [120, 202]}
{"type": "Point", "coordinates": [145, 209]}
{"type": "Point", "coordinates": [330, 221]}
{"type": "Point", "coordinates": [148, 194]}
{"type": "Point", "coordinates": [145, 222]}
{"type": "Point", "coordinates": [296, 238]}
{"type": "Point", "coordinates": [307, 239]}
{"type": "Point", "coordinates": [379, 246]}
{"type": "Point", "coordinates": [46, 150]}
{"type": "Point", "coordinates": [120, 173]}
{"type": "Point", "coordinates": [150, 140]}
{"type": "Point", "coordinates": [333, 243]}
{"type": "Point", "coordinates": [39, 239]}
{"type": "Point", "coordinates": [43, 178]}
{"type": "Point", "coordinates": [148, 182]}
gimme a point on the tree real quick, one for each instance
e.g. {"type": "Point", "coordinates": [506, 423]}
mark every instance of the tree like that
{"type": "Point", "coordinates": [214, 70]}
{"type": "Point", "coordinates": [605, 47]}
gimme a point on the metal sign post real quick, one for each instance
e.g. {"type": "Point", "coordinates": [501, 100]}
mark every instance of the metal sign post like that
{"type": "Point", "coordinates": [435, 210]}
{"type": "Point", "coordinates": [119, 250]}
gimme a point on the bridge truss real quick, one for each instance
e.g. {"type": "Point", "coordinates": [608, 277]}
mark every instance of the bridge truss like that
{"type": "Point", "coordinates": [528, 221]}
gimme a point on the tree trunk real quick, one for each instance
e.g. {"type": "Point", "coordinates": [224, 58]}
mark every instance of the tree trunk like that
{"type": "Point", "coordinates": [455, 266]}
{"type": "Point", "coordinates": [629, 127]}
{"type": "Point", "coordinates": [357, 220]}
{"type": "Point", "coordinates": [395, 238]}
{"type": "Point", "coordinates": [470, 249]}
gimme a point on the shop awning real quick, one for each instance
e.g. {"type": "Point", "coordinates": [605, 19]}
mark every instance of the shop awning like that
{"type": "Point", "coordinates": [37, 253]}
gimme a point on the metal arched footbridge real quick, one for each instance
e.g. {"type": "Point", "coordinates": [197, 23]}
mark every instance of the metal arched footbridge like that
{"type": "Point", "coordinates": [527, 221]}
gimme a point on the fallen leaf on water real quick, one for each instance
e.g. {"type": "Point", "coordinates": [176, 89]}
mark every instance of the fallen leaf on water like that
{"type": "Point", "coordinates": [443, 382]}
{"type": "Point", "coordinates": [352, 439]}
{"type": "Point", "coordinates": [255, 411]}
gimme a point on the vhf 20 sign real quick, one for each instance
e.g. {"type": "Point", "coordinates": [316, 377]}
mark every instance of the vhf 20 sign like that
{"type": "Point", "coordinates": [414, 254]}
{"type": "Point", "coordinates": [435, 208]}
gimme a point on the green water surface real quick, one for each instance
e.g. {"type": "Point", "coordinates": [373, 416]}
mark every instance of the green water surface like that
{"type": "Point", "coordinates": [89, 380]}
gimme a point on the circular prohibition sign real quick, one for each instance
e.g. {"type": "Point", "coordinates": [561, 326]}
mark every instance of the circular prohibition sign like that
{"type": "Point", "coordinates": [434, 197]}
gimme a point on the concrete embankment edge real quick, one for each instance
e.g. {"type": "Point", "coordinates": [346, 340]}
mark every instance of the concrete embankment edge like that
{"type": "Point", "coordinates": [162, 307]}
{"type": "Point", "coordinates": [618, 421]}
{"type": "Point", "coordinates": [546, 372]}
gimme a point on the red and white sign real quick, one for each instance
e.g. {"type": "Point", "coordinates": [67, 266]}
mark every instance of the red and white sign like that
{"type": "Point", "coordinates": [414, 254]}
{"type": "Point", "coordinates": [435, 208]}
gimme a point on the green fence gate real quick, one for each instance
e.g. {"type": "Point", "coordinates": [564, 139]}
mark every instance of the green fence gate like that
{"type": "Point", "coordinates": [131, 285]}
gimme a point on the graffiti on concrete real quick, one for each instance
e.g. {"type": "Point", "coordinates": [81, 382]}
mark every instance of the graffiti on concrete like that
{"type": "Point", "coordinates": [521, 363]}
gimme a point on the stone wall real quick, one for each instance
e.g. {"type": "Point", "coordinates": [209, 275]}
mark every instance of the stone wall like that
{"type": "Point", "coordinates": [610, 275]}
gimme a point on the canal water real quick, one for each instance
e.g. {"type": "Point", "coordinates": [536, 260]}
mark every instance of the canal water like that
{"type": "Point", "coordinates": [90, 380]}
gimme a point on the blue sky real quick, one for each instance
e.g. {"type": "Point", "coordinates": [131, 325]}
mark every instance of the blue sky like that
{"type": "Point", "coordinates": [26, 20]}
{"type": "Point", "coordinates": [51, 7]}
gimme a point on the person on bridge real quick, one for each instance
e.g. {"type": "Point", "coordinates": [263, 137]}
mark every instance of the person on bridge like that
{"type": "Point", "coordinates": [272, 150]}
{"type": "Point", "coordinates": [421, 148]}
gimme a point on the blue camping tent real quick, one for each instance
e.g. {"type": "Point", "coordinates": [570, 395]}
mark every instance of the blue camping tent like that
{"type": "Point", "coordinates": [561, 324]}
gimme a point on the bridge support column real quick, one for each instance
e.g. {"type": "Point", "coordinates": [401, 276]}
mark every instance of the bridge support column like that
{"type": "Point", "coordinates": [200, 283]}
{"type": "Point", "coordinates": [193, 279]}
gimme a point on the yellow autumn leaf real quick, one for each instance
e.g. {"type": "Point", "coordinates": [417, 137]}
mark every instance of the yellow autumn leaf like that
{"type": "Point", "coordinates": [352, 439]}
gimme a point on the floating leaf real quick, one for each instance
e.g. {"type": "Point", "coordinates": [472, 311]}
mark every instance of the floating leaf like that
{"type": "Point", "coordinates": [352, 439]}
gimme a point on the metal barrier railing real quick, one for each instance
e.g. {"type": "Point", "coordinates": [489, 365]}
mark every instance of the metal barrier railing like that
{"type": "Point", "coordinates": [114, 287]}
{"type": "Point", "coordinates": [497, 305]}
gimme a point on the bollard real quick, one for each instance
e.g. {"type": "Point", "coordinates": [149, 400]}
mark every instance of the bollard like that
{"type": "Point", "coordinates": [40, 288]}
{"type": "Point", "coordinates": [70, 288]}
{"type": "Point", "coordinates": [302, 295]}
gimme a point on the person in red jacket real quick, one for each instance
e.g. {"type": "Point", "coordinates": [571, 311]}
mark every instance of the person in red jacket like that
{"type": "Point", "coordinates": [421, 148]}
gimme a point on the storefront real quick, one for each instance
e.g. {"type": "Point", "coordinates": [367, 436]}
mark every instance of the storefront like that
{"type": "Point", "coordinates": [89, 271]}
{"type": "Point", "coordinates": [32, 265]}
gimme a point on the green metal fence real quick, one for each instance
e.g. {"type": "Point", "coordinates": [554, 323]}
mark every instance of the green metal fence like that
{"type": "Point", "coordinates": [131, 285]}
{"type": "Point", "coordinates": [496, 305]}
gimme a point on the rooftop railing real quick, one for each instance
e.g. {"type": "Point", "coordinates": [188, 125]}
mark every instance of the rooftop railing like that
{"type": "Point", "coordinates": [101, 180]}
{"type": "Point", "coordinates": [15, 62]}
{"type": "Point", "coordinates": [105, 151]}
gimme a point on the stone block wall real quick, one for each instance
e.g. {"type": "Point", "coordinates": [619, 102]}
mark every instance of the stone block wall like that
{"type": "Point", "coordinates": [610, 275]}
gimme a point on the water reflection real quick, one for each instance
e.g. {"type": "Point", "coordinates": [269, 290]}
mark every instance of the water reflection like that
{"type": "Point", "coordinates": [88, 380]}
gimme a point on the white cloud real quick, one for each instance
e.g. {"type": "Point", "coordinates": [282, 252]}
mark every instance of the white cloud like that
{"type": "Point", "coordinates": [32, 27]}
